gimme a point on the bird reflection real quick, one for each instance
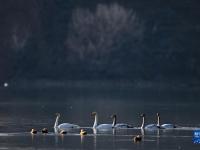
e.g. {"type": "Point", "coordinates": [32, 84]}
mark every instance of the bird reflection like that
{"type": "Point", "coordinates": [95, 141]}
{"type": "Point", "coordinates": [62, 138]}
{"type": "Point", "coordinates": [82, 139]}
{"type": "Point", "coordinates": [32, 138]}
{"type": "Point", "coordinates": [111, 131]}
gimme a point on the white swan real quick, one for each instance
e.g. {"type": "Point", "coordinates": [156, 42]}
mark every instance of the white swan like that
{"type": "Point", "coordinates": [149, 126]}
{"type": "Point", "coordinates": [101, 126]}
{"type": "Point", "coordinates": [119, 125]}
{"type": "Point", "coordinates": [63, 126]}
{"type": "Point", "coordinates": [166, 125]}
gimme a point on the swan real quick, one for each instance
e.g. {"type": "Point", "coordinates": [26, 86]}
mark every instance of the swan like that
{"type": "Point", "coordinates": [119, 125]}
{"type": "Point", "coordinates": [101, 126]}
{"type": "Point", "coordinates": [149, 126]}
{"type": "Point", "coordinates": [63, 126]}
{"type": "Point", "coordinates": [166, 125]}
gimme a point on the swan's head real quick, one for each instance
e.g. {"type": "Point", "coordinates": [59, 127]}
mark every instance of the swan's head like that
{"type": "Point", "coordinates": [142, 115]}
{"type": "Point", "coordinates": [93, 113]}
{"type": "Point", "coordinates": [58, 114]}
{"type": "Point", "coordinates": [113, 116]}
{"type": "Point", "coordinates": [158, 115]}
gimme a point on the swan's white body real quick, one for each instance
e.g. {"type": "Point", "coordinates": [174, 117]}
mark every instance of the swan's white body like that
{"type": "Point", "coordinates": [67, 126]}
{"type": "Point", "coordinates": [101, 126]}
{"type": "Point", "coordinates": [150, 126]}
{"type": "Point", "coordinates": [123, 125]}
{"type": "Point", "coordinates": [119, 125]}
{"type": "Point", "coordinates": [63, 126]}
{"type": "Point", "coordinates": [104, 126]}
{"type": "Point", "coordinates": [166, 125]}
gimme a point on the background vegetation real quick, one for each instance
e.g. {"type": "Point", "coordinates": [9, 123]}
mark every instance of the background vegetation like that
{"type": "Point", "coordinates": [76, 40]}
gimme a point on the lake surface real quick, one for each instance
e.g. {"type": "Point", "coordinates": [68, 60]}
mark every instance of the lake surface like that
{"type": "Point", "coordinates": [24, 108]}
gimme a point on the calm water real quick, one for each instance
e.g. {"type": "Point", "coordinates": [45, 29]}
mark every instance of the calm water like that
{"type": "Point", "coordinates": [24, 108]}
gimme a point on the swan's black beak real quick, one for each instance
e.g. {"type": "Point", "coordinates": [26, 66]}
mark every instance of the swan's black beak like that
{"type": "Point", "coordinates": [142, 115]}
{"type": "Point", "coordinates": [113, 116]}
{"type": "Point", "coordinates": [57, 114]}
{"type": "Point", "coordinates": [93, 113]}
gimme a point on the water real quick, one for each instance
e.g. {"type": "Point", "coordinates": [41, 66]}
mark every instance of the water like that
{"type": "Point", "coordinates": [22, 109]}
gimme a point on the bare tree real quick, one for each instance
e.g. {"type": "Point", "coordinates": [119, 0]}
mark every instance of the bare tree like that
{"type": "Point", "coordinates": [94, 36]}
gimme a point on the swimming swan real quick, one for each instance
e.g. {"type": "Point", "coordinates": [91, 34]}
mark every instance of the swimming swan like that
{"type": "Point", "coordinates": [101, 126]}
{"type": "Point", "coordinates": [149, 126]}
{"type": "Point", "coordinates": [119, 125]}
{"type": "Point", "coordinates": [166, 125]}
{"type": "Point", "coordinates": [63, 126]}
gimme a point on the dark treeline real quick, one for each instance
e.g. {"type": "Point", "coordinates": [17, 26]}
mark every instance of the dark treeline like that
{"type": "Point", "coordinates": [76, 39]}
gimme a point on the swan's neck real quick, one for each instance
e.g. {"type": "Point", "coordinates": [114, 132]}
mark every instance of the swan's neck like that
{"type": "Point", "coordinates": [158, 121]}
{"type": "Point", "coordinates": [142, 131]}
{"type": "Point", "coordinates": [95, 121]}
{"type": "Point", "coordinates": [114, 121]}
{"type": "Point", "coordinates": [56, 130]}
{"type": "Point", "coordinates": [94, 130]}
{"type": "Point", "coordinates": [56, 122]}
{"type": "Point", "coordinates": [143, 119]}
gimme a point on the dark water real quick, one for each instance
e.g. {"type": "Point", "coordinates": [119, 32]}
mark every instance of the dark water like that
{"type": "Point", "coordinates": [25, 108]}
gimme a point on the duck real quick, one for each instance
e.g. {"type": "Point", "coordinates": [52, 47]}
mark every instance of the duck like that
{"type": "Point", "coordinates": [149, 126]}
{"type": "Point", "coordinates": [33, 131]}
{"type": "Point", "coordinates": [137, 138]}
{"type": "Point", "coordinates": [44, 130]}
{"type": "Point", "coordinates": [119, 125]}
{"type": "Point", "coordinates": [83, 132]}
{"type": "Point", "coordinates": [101, 126]}
{"type": "Point", "coordinates": [63, 126]}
